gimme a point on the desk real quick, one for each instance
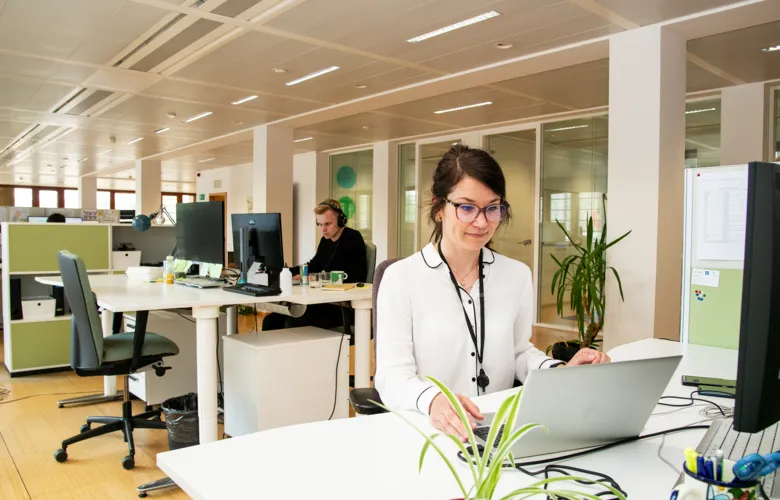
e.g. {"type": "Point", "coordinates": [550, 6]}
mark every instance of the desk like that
{"type": "Point", "coordinates": [376, 457]}
{"type": "Point", "coordinates": [115, 293]}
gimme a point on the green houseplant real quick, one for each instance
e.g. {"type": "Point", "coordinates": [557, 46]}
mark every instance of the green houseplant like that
{"type": "Point", "coordinates": [486, 470]}
{"type": "Point", "coordinates": [583, 275]}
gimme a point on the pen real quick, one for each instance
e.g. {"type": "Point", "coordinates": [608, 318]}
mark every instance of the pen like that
{"type": "Point", "coordinates": [700, 471]}
{"type": "Point", "coordinates": [719, 465]}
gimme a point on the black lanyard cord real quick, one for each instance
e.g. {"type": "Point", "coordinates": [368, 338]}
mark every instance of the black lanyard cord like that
{"type": "Point", "coordinates": [482, 379]}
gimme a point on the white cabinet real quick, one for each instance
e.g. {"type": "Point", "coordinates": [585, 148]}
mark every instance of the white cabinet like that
{"type": "Point", "coordinates": [284, 377]}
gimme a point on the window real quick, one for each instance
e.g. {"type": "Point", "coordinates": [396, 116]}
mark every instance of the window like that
{"type": "Point", "coordinates": [103, 200]}
{"type": "Point", "coordinates": [188, 198]}
{"type": "Point", "coordinates": [410, 209]}
{"type": "Point", "coordinates": [72, 199]}
{"type": "Point", "coordinates": [124, 201]}
{"type": "Point", "coordinates": [364, 211]}
{"type": "Point", "coordinates": [169, 201]}
{"type": "Point", "coordinates": [48, 198]}
{"type": "Point", "coordinates": [591, 206]}
{"type": "Point", "coordinates": [407, 202]}
{"type": "Point", "coordinates": [23, 197]}
{"type": "Point", "coordinates": [560, 208]}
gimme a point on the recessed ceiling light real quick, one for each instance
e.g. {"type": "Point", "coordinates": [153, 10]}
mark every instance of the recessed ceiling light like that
{"type": "Point", "coordinates": [83, 160]}
{"type": "Point", "coordinates": [460, 108]}
{"type": "Point", "coordinates": [206, 160]}
{"type": "Point", "coordinates": [160, 131]}
{"type": "Point", "coordinates": [304, 139]}
{"type": "Point", "coordinates": [366, 127]}
{"type": "Point", "coordinates": [171, 115]}
{"type": "Point", "coordinates": [503, 46]}
{"type": "Point", "coordinates": [279, 70]}
{"type": "Point", "coordinates": [773, 48]}
{"type": "Point", "coordinates": [567, 128]}
{"type": "Point", "coordinates": [238, 123]}
{"type": "Point", "coordinates": [453, 27]}
{"type": "Point", "coordinates": [198, 117]}
{"type": "Point", "coordinates": [104, 152]}
{"type": "Point", "coordinates": [361, 86]}
{"type": "Point", "coordinates": [313, 75]}
{"type": "Point", "coordinates": [245, 99]}
{"type": "Point", "coordinates": [694, 111]}
{"type": "Point", "coordinates": [134, 141]}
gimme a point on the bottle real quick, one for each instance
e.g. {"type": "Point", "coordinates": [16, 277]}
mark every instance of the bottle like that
{"type": "Point", "coordinates": [168, 270]}
{"type": "Point", "coordinates": [305, 275]}
{"type": "Point", "coordinates": [285, 281]}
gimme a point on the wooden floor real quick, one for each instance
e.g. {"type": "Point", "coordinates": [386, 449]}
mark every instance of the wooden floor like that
{"type": "Point", "coordinates": [32, 429]}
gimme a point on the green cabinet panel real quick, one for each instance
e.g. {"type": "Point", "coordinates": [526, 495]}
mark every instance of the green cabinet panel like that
{"type": "Point", "coordinates": [40, 344]}
{"type": "Point", "coordinates": [715, 312]}
{"type": "Point", "coordinates": [34, 247]}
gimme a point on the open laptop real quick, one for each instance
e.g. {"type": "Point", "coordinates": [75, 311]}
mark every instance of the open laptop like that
{"type": "Point", "coordinates": [585, 406]}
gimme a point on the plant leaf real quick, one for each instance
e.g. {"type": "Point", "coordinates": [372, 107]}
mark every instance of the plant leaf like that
{"type": "Point", "coordinates": [620, 285]}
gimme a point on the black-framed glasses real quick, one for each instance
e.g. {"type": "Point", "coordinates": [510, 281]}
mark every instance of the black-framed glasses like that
{"type": "Point", "coordinates": [468, 212]}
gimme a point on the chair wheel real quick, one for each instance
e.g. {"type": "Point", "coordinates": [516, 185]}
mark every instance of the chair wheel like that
{"type": "Point", "coordinates": [128, 463]}
{"type": "Point", "coordinates": [60, 455]}
{"type": "Point", "coordinates": [60, 405]}
{"type": "Point", "coordinates": [84, 428]}
{"type": "Point", "coordinates": [142, 495]}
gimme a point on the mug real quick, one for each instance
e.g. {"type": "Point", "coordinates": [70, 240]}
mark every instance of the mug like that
{"type": "Point", "coordinates": [324, 278]}
{"type": "Point", "coordinates": [695, 487]}
{"type": "Point", "coordinates": [338, 277]}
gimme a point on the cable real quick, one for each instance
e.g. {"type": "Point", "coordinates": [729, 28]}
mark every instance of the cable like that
{"type": "Point", "coordinates": [336, 385]}
{"type": "Point", "coordinates": [675, 468]}
{"type": "Point", "coordinates": [562, 469]}
{"type": "Point", "coordinates": [44, 394]}
{"type": "Point", "coordinates": [690, 402]}
{"type": "Point", "coordinates": [220, 391]}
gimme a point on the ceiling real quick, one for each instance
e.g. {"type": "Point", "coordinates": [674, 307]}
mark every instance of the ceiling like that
{"type": "Point", "coordinates": [81, 79]}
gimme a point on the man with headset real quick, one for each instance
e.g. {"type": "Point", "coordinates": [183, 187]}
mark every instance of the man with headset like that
{"type": "Point", "coordinates": [341, 248]}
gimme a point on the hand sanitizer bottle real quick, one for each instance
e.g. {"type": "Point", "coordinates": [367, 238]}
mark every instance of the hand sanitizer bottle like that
{"type": "Point", "coordinates": [285, 281]}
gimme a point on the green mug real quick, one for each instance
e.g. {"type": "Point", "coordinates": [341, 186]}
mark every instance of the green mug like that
{"type": "Point", "coordinates": [338, 277]}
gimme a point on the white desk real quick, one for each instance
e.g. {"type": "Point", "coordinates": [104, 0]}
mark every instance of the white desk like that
{"type": "Point", "coordinates": [115, 293]}
{"type": "Point", "coordinates": [376, 457]}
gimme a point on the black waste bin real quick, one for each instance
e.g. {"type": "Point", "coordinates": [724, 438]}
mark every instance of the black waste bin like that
{"type": "Point", "coordinates": [181, 417]}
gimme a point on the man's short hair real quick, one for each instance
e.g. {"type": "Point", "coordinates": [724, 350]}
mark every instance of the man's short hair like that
{"type": "Point", "coordinates": [56, 217]}
{"type": "Point", "coordinates": [324, 206]}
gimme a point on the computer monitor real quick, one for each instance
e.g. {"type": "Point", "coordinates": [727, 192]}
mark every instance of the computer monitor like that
{"type": "Point", "coordinates": [758, 372]}
{"type": "Point", "coordinates": [263, 241]}
{"type": "Point", "coordinates": [74, 220]}
{"type": "Point", "coordinates": [37, 220]}
{"type": "Point", "coordinates": [200, 232]}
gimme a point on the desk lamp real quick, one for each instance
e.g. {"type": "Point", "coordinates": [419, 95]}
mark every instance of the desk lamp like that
{"type": "Point", "coordinates": [143, 222]}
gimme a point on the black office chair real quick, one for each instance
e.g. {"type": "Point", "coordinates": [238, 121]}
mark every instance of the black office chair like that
{"type": "Point", "coordinates": [120, 354]}
{"type": "Point", "coordinates": [360, 398]}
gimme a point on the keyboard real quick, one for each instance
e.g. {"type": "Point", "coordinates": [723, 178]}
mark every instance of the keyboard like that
{"type": "Point", "coordinates": [254, 290]}
{"type": "Point", "coordinates": [735, 445]}
{"type": "Point", "coordinates": [482, 432]}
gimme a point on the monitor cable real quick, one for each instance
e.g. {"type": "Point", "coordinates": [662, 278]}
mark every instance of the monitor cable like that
{"type": "Point", "coordinates": [725, 413]}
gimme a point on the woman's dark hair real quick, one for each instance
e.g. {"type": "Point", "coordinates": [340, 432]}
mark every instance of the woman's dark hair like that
{"type": "Point", "coordinates": [461, 161]}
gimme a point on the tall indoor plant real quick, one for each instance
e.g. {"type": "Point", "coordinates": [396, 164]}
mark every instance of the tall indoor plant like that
{"type": "Point", "coordinates": [486, 469]}
{"type": "Point", "coordinates": [583, 276]}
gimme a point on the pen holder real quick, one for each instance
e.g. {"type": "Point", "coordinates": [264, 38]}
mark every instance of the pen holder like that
{"type": "Point", "coordinates": [695, 487]}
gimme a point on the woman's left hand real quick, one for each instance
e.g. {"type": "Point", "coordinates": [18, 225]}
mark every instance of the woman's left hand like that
{"type": "Point", "coordinates": [587, 356]}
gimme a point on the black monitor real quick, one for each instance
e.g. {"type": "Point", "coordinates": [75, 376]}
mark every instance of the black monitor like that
{"type": "Point", "coordinates": [263, 241]}
{"type": "Point", "coordinates": [758, 372]}
{"type": "Point", "coordinates": [200, 232]}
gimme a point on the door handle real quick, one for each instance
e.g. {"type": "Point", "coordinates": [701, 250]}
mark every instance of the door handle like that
{"type": "Point", "coordinates": [524, 242]}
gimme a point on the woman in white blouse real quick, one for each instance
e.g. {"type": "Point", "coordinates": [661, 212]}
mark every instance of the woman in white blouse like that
{"type": "Point", "coordinates": [437, 316]}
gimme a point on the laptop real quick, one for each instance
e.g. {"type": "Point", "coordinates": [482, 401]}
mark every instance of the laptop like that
{"type": "Point", "coordinates": [586, 406]}
{"type": "Point", "coordinates": [199, 282]}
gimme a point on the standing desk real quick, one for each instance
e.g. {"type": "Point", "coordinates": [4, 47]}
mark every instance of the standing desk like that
{"type": "Point", "coordinates": [115, 293]}
{"type": "Point", "coordinates": [377, 456]}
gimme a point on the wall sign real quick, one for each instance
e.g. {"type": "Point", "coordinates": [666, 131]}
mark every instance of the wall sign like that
{"type": "Point", "coordinates": [346, 177]}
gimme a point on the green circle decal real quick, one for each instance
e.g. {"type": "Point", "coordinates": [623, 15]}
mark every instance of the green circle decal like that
{"type": "Point", "coordinates": [348, 206]}
{"type": "Point", "coordinates": [346, 177]}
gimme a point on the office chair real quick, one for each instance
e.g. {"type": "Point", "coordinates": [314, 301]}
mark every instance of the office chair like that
{"type": "Point", "coordinates": [370, 261]}
{"type": "Point", "coordinates": [360, 398]}
{"type": "Point", "coordinates": [119, 354]}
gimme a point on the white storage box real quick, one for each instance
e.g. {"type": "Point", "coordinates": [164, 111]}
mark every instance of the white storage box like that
{"type": "Point", "coordinates": [38, 307]}
{"type": "Point", "coordinates": [284, 377]}
{"type": "Point", "coordinates": [123, 260]}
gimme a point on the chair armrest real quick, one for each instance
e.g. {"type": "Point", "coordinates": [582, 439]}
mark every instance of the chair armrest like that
{"type": "Point", "coordinates": [360, 399]}
{"type": "Point", "coordinates": [139, 334]}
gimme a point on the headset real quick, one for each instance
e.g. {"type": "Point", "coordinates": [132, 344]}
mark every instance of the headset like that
{"type": "Point", "coordinates": [342, 217]}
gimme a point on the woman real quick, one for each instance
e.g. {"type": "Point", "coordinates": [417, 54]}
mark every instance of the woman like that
{"type": "Point", "coordinates": [457, 310]}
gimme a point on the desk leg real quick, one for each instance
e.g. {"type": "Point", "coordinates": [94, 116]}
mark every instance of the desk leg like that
{"type": "Point", "coordinates": [362, 342]}
{"type": "Point", "coordinates": [232, 326]}
{"type": "Point", "coordinates": [206, 338]}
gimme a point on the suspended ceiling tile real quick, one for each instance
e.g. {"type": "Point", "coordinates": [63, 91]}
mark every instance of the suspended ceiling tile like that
{"type": "Point", "coordinates": [649, 12]}
{"type": "Point", "coordinates": [15, 93]}
{"type": "Point", "coordinates": [380, 127]}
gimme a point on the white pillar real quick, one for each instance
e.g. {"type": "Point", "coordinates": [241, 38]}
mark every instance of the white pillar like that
{"type": "Point", "coordinates": [384, 227]}
{"type": "Point", "coordinates": [87, 192]}
{"type": "Point", "coordinates": [272, 175]}
{"type": "Point", "coordinates": [645, 184]}
{"type": "Point", "coordinates": [148, 186]}
{"type": "Point", "coordinates": [311, 186]}
{"type": "Point", "coordinates": [743, 124]}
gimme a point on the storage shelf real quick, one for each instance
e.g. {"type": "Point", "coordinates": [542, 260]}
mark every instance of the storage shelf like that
{"type": "Point", "coordinates": [41, 320]}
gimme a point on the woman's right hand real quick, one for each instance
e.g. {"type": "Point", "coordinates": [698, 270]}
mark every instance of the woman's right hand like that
{"type": "Point", "coordinates": [445, 418]}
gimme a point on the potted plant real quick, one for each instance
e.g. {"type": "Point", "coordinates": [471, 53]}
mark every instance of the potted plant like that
{"type": "Point", "coordinates": [583, 276]}
{"type": "Point", "coordinates": [486, 469]}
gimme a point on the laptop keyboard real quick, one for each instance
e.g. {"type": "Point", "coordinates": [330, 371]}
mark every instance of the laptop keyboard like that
{"type": "Point", "coordinates": [482, 432]}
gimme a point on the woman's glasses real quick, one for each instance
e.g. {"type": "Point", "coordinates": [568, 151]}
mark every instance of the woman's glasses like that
{"type": "Point", "coordinates": [468, 212]}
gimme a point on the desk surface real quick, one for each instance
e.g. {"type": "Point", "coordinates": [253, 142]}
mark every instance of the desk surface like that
{"type": "Point", "coordinates": [377, 456]}
{"type": "Point", "coordinates": [117, 293]}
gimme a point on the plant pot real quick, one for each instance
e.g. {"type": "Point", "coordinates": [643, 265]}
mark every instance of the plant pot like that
{"type": "Point", "coordinates": [564, 351]}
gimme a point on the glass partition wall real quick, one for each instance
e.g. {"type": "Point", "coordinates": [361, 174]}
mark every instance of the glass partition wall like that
{"type": "Point", "coordinates": [407, 203]}
{"type": "Point", "coordinates": [702, 133]}
{"type": "Point", "coordinates": [429, 156]}
{"type": "Point", "coordinates": [351, 183]}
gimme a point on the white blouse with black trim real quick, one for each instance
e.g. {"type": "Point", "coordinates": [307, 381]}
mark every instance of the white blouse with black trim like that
{"type": "Point", "coordinates": [421, 329]}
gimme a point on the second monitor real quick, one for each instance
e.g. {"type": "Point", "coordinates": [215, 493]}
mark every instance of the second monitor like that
{"type": "Point", "coordinates": [261, 242]}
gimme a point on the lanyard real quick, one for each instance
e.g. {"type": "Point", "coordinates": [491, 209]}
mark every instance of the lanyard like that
{"type": "Point", "coordinates": [482, 379]}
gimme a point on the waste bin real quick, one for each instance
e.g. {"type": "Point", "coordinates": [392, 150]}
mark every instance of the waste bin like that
{"type": "Point", "coordinates": [181, 418]}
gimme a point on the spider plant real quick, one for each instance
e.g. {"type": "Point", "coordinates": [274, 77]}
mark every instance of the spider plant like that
{"type": "Point", "coordinates": [583, 276]}
{"type": "Point", "coordinates": [486, 469]}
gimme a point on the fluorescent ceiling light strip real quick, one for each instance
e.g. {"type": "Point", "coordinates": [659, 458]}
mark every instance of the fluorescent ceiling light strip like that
{"type": "Point", "coordinates": [83, 160]}
{"type": "Point", "coordinates": [207, 159]}
{"type": "Point", "coordinates": [245, 99]}
{"type": "Point", "coordinates": [567, 128]}
{"type": "Point", "coordinates": [453, 27]}
{"type": "Point", "coordinates": [134, 141]}
{"type": "Point", "coordinates": [197, 117]}
{"type": "Point", "coordinates": [442, 111]}
{"type": "Point", "coordinates": [304, 139]}
{"type": "Point", "coordinates": [104, 152]}
{"type": "Point", "coordinates": [162, 130]}
{"type": "Point", "coordinates": [313, 75]}
{"type": "Point", "coordinates": [694, 111]}
{"type": "Point", "coordinates": [771, 49]}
